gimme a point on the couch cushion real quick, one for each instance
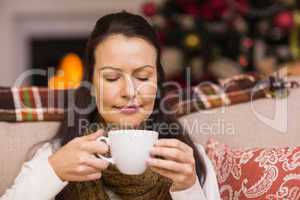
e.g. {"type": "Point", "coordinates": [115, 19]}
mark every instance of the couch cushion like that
{"type": "Point", "coordinates": [257, 173]}
{"type": "Point", "coordinates": [249, 124]}
{"type": "Point", "coordinates": [16, 141]}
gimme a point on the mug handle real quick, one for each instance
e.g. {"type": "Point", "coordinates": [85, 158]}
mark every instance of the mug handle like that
{"type": "Point", "coordinates": [105, 140]}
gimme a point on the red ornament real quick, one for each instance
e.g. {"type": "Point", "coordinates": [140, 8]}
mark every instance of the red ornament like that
{"type": "Point", "coordinates": [247, 43]}
{"type": "Point", "coordinates": [149, 9]}
{"type": "Point", "coordinates": [284, 20]}
{"type": "Point", "coordinates": [243, 61]}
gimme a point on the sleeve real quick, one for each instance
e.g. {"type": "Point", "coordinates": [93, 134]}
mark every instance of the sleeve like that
{"type": "Point", "coordinates": [210, 189]}
{"type": "Point", "coordinates": [37, 179]}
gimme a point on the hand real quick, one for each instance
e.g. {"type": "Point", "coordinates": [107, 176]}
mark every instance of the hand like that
{"type": "Point", "coordinates": [76, 161]}
{"type": "Point", "coordinates": [178, 163]}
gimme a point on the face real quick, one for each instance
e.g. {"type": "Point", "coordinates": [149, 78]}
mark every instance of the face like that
{"type": "Point", "coordinates": [125, 79]}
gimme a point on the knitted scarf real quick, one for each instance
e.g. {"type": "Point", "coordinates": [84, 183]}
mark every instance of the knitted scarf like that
{"type": "Point", "coordinates": [147, 186]}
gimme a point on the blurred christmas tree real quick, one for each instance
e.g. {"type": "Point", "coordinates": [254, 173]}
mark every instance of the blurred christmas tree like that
{"type": "Point", "coordinates": [220, 38]}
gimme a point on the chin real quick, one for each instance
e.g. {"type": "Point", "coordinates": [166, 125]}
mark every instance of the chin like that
{"type": "Point", "coordinates": [130, 123]}
{"type": "Point", "coordinates": [121, 120]}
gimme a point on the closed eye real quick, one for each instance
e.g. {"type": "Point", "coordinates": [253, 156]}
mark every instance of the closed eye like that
{"type": "Point", "coordinates": [111, 79]}
{"type": "Point", "coordinates": [143, 79]}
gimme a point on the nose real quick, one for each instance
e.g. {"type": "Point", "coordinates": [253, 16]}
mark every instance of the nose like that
{"type": "Point", "coordinates": [129, 90]}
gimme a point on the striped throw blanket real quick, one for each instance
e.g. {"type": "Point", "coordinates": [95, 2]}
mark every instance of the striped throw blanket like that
{"type": "Point", "coordinates": [32, 104]}
{"type": "Point", "coordinates": [206, 95]}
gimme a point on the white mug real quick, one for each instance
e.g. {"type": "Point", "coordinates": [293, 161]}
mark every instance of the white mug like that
{"type": "Point", "coordinates": [129, 149]}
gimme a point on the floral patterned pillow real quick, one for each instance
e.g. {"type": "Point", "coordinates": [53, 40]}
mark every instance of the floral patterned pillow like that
{"type": "Point", "coordinates": [257, 173]}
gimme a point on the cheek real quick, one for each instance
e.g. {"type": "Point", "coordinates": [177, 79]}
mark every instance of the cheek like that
{"type": "Point", "coordinates": [147, 93]}
{"type": "Point", "coordinates": [106, 94]}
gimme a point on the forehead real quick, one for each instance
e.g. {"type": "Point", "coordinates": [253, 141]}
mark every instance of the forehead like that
{"type": "Point", "coordinates": [126, 52]}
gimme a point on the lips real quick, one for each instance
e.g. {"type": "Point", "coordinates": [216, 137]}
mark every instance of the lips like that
{"type": "Point", "coordinates": [128, 109]}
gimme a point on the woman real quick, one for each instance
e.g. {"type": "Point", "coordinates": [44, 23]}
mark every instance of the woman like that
{"type": "Point", "coordinates": [123, 63]}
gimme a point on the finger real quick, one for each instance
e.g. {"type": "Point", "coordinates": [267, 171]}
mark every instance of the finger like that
{"type": "Point", "coordinates": [175, 143]}
{"type": "Point", "coordinates": [85, 170]}
{"type": "Point", "coordinates": [94, 136]}
{"type": "Point", "coordinates": [175, 177]}
{"type": "Point", "coordinates": [95, 147]}
{"type": "Point", "coordinates": [93, 176]}
{"type": "Point", "coordinates": [88, 177]}
{"type": "Point", "coordinates": [97, 163]}
{"type": "Point", "coordinates": [167, 164]}
{"type": "Point", "coordinates": [172, 154]}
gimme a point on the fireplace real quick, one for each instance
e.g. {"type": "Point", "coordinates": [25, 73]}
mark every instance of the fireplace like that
{"type": "Point", "coordinates": [47, 52]}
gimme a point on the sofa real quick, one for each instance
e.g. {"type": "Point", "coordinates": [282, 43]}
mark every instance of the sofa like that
{"type": "Point", "coordinates": [243, 125]}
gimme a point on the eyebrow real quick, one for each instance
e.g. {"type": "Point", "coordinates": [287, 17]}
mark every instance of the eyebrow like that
{"type": "Point", "coordinates": [119, 69]}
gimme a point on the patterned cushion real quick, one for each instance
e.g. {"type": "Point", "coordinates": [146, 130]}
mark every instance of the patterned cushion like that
{"type": "Point", "coordinates": [258, 173]}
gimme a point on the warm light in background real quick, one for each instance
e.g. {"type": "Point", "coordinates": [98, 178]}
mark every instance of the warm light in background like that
{"type": "Point", "coordinates": [69, 74]}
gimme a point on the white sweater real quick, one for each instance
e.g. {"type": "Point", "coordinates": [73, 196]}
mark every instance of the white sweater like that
{"type": "Point", "coordinates": [38, 181]}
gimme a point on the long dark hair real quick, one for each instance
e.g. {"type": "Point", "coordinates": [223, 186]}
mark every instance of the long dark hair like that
{"type": "Point", "coordinates": [129, 25]}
